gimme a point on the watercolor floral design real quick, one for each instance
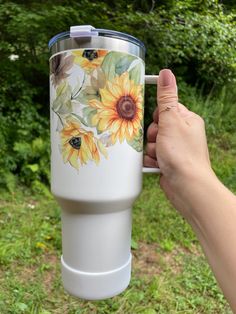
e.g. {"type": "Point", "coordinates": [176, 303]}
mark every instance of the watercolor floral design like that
{"type": "Point", "coordinates": [103, 108]}
{"type": "Point", "coordinates": [78, 145]}
{"type": "Point", "coordinates": [120, 109]}
{"type": "Point", "coordinates": [59, 66]}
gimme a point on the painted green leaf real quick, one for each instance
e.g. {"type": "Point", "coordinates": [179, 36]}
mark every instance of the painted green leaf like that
{"type": "Point", "coordinates": [81, 119]}
{"type": "Point", "coordinates": [115, 63]}
{"type": "Point", "coordinates": [77, 89]}
{"type": "Point", "coordinates": [88, 113]}
{"type": "Point", "coordinates": [61, 88]}
{"type": "Point", "coordinates": [137, 142]}
{"type": "Point", "coordinates": [90, 116]}
{"type": "Point", "coordinates": [65, 108]}
{"type": "Point", "coordinates": [109, 64]}
{"type": "Point", "coordinates": [81, 98]}
{"type": "Point", "coordinates": [62, 104]}
{"type": "Point", "coordinates": [135, 74]}
{"type": "Point", "coordinates": [87, 94]}
{"type": "Point", "coordinates": [124, 63]}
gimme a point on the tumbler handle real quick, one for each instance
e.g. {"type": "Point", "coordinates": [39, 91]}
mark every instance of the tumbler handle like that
{"type": "Point", "coordinates": [152, 80]}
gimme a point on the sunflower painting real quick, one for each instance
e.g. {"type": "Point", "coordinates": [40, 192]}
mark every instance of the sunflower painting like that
{"type": "Point", "coordinates": [89, 59]}
{"type": "Point", "coordinates": [101, 114]}
{"type": "Point", "coordinates": [79, 146]}
{"type": "Point", "coordinates": [120, 109]}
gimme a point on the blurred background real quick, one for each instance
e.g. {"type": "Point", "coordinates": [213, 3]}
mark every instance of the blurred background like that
{"type": "Point", "coordinates": [196, 39]}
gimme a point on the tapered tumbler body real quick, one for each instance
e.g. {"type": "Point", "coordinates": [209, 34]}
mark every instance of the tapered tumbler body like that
{"type": "Point", "coordinates": [96, 101]}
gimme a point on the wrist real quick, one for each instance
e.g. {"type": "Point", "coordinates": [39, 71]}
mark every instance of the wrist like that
{"type": "Point", "coordinates": [195, 189]}
{"type": "Point", "coordinates": [191, 178]}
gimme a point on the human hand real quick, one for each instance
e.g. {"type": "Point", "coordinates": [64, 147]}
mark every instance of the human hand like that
{"type": "Point", "coordinates": [176, 143]}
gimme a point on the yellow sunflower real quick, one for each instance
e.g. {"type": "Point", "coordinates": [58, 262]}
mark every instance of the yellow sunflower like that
{"type": "Point", "coordinates": [78, 144]}
{"type": "Point", "coordinates": [120, 109]}
{"type": "Point", "coordinates": [89, 59]}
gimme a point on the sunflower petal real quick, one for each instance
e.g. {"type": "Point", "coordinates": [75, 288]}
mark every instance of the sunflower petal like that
{"type": "Point", "coordinates": [104, 123]}
{"type": "Point", "coordinates": [107, 97]}
{"type": "Point", "coordinates": [96, 156]}
{"type": "Point", "coordinates": [130, 128]}
{"type": "Point", "coordinates": [84, 155]}
{"type": "Point", "coordinates": [74, 160]}
{"type": "Point", "coordinates": [88, 149]}
{"type": "Point", "coordinates": [95, 104]}
{"type": "Point", "coordinates": [102, 53]}
{"type": "Point", "coordinates": [125, 83]}
{"type": "Point", "coordinates": [115, 90]}
{"type": "Point", "coordinates": [95, 120]}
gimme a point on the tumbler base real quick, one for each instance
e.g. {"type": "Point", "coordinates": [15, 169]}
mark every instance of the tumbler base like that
{"type": "Point", "coordinates": [96, 286]}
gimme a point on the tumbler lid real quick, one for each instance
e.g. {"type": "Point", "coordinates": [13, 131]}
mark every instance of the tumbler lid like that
{"type": "Point", "coordinates": [90, 31]}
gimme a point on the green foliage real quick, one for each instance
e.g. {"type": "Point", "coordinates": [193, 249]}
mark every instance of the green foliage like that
{"type": "Point", "coordinates": [195, 39]}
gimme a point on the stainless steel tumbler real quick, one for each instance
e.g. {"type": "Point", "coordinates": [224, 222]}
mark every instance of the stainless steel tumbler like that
{"type": "Point", "coordinates": [97, 80]}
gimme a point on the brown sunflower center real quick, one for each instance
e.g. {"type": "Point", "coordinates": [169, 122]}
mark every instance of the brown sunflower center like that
{"type": "Point", "coordinates": [126, 107]}
{"type": "Point", "coordinates": [75, 142]}
{"type": "Point", "coordinates": [90, 54]}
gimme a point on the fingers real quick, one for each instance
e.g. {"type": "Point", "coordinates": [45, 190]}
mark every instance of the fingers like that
{"type": "Point", "coordinates": [151, 150]}
{"type": "Point", "coordinates": [152, 132]}
{"type": "Point", "coordinates": [150, 156]}
{"type": "Point", "coordinates": [167, 91]}
{"type": "Point", "coordinates": [155, 115]}
{"type": "Point", "coordinates": [150, 159]}
{"type": "Point", "coordinates": [150, 162]}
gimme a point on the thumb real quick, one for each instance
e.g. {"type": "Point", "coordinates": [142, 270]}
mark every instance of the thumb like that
{"type": "Point", "coordinates": [167, 94]}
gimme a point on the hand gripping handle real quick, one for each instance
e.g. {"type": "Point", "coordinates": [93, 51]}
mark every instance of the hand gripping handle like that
{"type": "Point", "coordinates": [152, 80]}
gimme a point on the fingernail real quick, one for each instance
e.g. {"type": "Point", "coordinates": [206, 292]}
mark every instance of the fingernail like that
{"type": "Point", "coordinates": [165, 78]}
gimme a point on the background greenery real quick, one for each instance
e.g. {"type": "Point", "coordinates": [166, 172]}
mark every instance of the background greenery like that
{"type": "Point", "coordinates": [197, 40]}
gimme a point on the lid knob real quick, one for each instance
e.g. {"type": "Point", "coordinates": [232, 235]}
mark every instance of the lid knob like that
{"type": "Point", "coordinates": [83, 31]}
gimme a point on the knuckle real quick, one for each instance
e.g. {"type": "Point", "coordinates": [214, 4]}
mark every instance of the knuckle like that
{"type": "Point", "coordinates": [169, 98]}
{"type": "Point", "coordinates": [201, 120]}
{"type": "Point", "coordinates": [152, 132]}
{"type": "Point", "coordinates": [151, 149]}
{"type": "Point", "coordinates": [149, 161]}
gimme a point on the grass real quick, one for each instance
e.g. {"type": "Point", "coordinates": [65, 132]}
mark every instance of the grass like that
{"type": "Point", "coordinates": [170, 274]}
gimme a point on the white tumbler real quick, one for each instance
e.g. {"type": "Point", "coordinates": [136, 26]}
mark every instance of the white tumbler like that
{"type": "Point", "coordinates": [97, 82]}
